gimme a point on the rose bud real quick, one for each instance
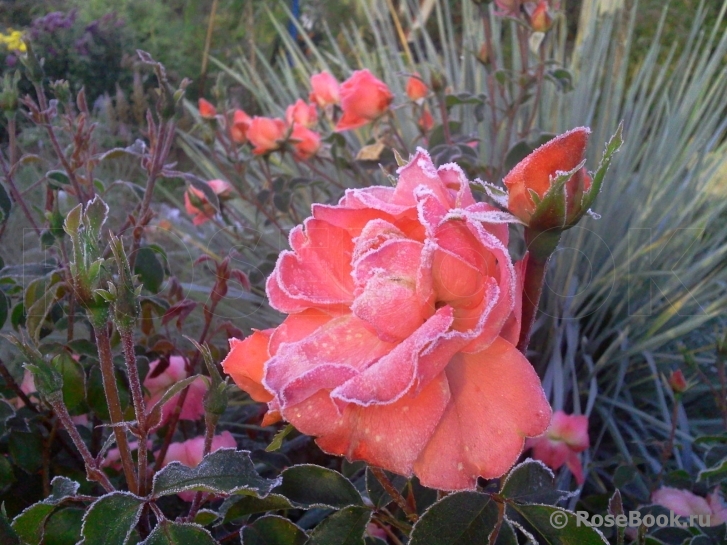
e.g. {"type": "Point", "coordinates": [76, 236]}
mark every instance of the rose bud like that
{"type": "Point", "coordinates": [325, 90]}
{"type": "Point", "coordinates": [363, 99]}
{"type": "Point", "coordinates": [426, 121]}
{"type": "Point", "coordinates": [537, 172]}
{"type": "Point", "coordinates": [416, 89]}
{"type": "Point", "coordinates": [677, 382]}
{"type": "Point", "coordinates": [540, 18]}
{"type": "Point", "coordinates": [206, 110]}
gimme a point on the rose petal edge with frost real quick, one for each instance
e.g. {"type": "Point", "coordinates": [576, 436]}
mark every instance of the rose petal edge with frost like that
{"type": "Point", "coordinates": [403, 311]}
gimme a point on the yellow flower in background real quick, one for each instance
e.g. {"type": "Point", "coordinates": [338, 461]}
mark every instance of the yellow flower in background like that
{"type": "Point", "coordinates": [13, 40]}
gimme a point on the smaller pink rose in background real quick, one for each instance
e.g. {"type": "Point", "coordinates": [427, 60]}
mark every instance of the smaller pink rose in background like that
{"type": "Point", "coordinates": [305, 142]}
{"type": "Point", "coordinates": [302, 113]}
{"type": "Point", "coordinates": [239, 126]}
{"type": "Point", "coordinates": [206, 109]}
{"type": "Point", "coordinates": [566, 436]}
{"type": "Point", "coordinates": [416, 89]}
{"type": "Point", "coordinates": [686, 504]}
{"type": "Point", "coordinates": [364, 98]}
{"type": "Point", "coordinates": [197, 204]}
{"type": "Point", "coordinates": [266, 134]}
{"type": "Point", "coordinates": [163, 374]}
{"type": "Point", "coordinates": [326, 91]}
{"type": "Point", "coordinates": [191, 452]}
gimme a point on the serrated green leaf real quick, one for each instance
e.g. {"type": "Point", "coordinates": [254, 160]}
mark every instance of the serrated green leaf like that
{"type": "Point", "coordinates": [458, 519]}
{"type": "Point", "coordinates": [64, 527]}
{"type": "Point", "coordinates": [177, 533]}
{"type": "Point", "coordinates": [26, 450]}
{"type": "Point", "coordinates": [225, 471]}
{"type": "Point", "coordinates": [277, 441]}
{"type": "Point", "coordinates": [308, 485]}
{"type": "Point", "coordinates": [531, 482]}
{"type": "Point", "coordinates": [248, 505]}
{"type": "Point", "coordinates": [58, 178]}
{"type": "Point", "coordinates": [205, 517]}
{"type": "Point", "coordinates": [96, 397]}
{"type": "Point", "coordinates": [111, 519]}
{"type": "Point", "coordinates": [149, 269]}
{"type": "Point", "coordinates": [30, 524]}
{"type": "Point", "coordinates": [346, 527]}
{"type": "Point", "coordinates": [7, 534]}
{"type": "Point", "coordinates": [74, 382]}
{"type": "Point", "coordinates": [272, 530]}
{"type": "Point", "coordinates": [558, 526]}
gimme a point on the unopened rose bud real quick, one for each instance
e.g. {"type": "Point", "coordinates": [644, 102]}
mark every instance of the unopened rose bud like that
{"type": "Point", "coordinates": [206, 109]}
{"type": "Point", "coordinates": [677, 382]}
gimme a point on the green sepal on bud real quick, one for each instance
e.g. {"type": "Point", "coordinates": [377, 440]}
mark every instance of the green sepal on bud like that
{"type": "Point", "coordinates": [88, 267]}
{"type": "Point", "coordinates": [126, 297]}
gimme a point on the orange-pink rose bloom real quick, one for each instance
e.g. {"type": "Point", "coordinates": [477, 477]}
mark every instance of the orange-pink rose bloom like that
{"type": "Point", "coordinates": [404, 307]}
{"type": "Point", "coordinates": [536, 172]}
{"type": "Point", "coordinates": [326, 91]}
{"type": "Point", "coordinates": [266, 134]}
{"type": "Point", "coordinates": [302, 113]}
{"type": "Point", "coordinates": [363, 99]}
{"type": "Point", "coordinates": [566, 436]}
{"type": "Point", "coordinates": [305, 142]}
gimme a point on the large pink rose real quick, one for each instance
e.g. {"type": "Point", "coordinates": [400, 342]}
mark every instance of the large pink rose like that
{"type": "Point", "coordinates": [404, 307]}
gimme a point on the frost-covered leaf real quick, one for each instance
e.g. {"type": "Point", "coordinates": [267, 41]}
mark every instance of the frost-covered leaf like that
{"type": "Point", "coordinates": [308, 485]}
{"type": "Point", "coordinates": [247, 505]}
{"type": "Point", "coordinates": [558, 526]}
{"type": "Point", "coordinates": [225, 471]}
{"type": "Point", "coordinates": [177, 533]}
{"type": "Point", "coordinates": [272, 530]}
{"type": "Point", "coordinates": [532, 482]}
{"type": "Point", "coordinates": [111, 519]}
{"type": "Point", "coordinates": [462, 518]}
{"type": "Point", "coordinates": [346, 527]}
